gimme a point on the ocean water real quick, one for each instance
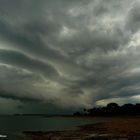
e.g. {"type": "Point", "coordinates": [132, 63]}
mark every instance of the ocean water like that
{"type": "Point", "coordinates": [12, 125]}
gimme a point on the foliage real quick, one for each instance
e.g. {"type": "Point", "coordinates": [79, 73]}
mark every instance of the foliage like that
{"type": "Point", "coordinates": [112, 109]}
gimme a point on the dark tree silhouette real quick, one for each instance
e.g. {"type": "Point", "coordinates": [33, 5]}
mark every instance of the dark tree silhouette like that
{"type": "Point", "coordinates": [112, 109]}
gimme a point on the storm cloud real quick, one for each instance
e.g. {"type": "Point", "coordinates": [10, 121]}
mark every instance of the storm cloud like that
{"type": "Point", "coordinates": [69, 54]}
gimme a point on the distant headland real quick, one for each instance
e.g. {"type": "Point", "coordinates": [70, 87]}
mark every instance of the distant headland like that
{"type": "Point", "coordinates": [112, 109]}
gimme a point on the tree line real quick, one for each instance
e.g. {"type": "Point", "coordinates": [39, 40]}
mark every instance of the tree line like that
{"type": "Point", "coordinates": [112, 109]}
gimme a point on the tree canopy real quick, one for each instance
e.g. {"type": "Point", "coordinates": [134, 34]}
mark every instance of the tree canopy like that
{"type": "Point", "coordinates": [112, 109]}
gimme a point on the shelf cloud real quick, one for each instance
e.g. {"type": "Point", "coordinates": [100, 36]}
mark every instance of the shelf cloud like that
{"type": "Point", "coordinates": [69, 54]}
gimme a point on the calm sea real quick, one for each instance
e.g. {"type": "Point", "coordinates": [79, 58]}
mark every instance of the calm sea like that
{"type": "Point", "coordinates": [11, 125]}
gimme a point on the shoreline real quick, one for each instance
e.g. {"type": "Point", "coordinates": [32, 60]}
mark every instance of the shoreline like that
{"type": "Point", "coordinates": [117, 127]}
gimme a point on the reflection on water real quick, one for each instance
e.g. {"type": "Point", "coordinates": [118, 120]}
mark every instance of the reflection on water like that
{"type": "Point", "coordinates": [11, 125]}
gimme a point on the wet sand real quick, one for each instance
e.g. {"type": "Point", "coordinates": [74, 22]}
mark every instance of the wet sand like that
{"type": "Point", "coordinates": [117, 128]}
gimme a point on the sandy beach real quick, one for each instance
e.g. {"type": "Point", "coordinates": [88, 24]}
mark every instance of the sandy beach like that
{"type": "Point", "coordinates": [117, 127]}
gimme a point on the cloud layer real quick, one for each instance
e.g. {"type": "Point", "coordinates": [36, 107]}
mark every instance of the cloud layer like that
{"type": "Point", "coordinates": [71, 54]}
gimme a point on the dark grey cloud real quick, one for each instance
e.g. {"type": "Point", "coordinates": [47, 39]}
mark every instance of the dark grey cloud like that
{"type": "Point", "coordinates": [132, 23]}
{"type": "Point", "coordinates": [69, 54]}
{"type": "Point", "coordinates": [23, 61]}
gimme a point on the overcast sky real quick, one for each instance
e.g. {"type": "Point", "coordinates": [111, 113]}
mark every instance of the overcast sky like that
{"type": "Point", "coordinates": [58, 55]}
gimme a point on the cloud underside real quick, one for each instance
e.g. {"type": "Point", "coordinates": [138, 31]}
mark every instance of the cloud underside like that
{"type": "Point", "coordinates": [69, 53]}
